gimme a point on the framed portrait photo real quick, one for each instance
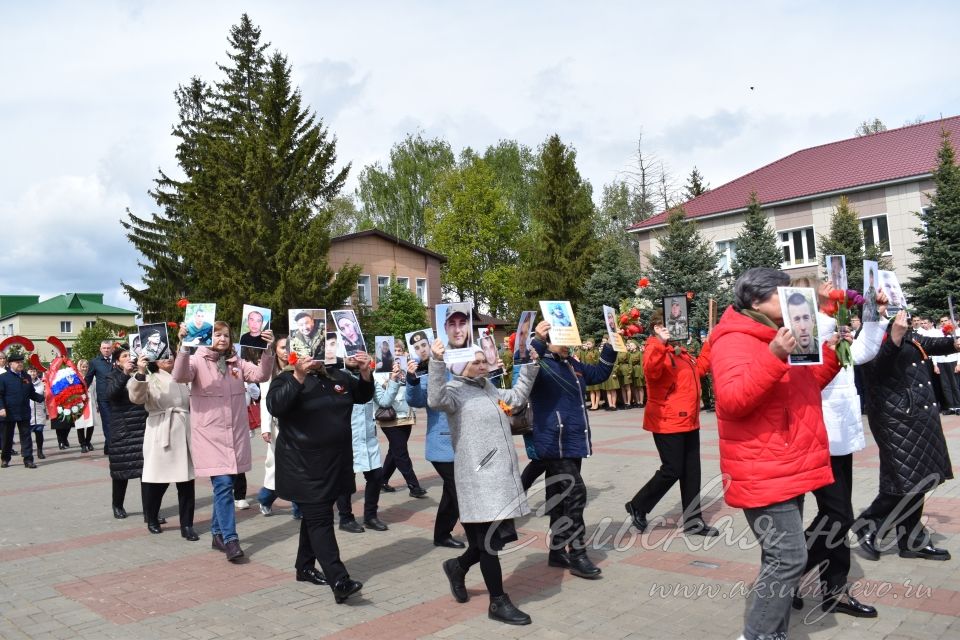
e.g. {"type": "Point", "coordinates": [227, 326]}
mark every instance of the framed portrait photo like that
{"type": "Point", "coordinates": [676, 316]}
{"type": "Point", "coordinates": [799, 308]}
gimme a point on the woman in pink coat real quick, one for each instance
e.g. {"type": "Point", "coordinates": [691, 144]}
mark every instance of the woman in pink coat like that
{"type": "Point", "coordinates": [219, 428]}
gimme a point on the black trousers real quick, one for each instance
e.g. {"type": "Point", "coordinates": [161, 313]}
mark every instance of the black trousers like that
{"type": "Point", "coordinates": [153, 497]}
{"type": "Point", "coordinates": [83, 435]}
{"type": "Point", "coordinates": [937, 384]}
{"type": "Point", "coordinates": [476, 553]}
{"type": "Point", "coordinates": [318, 542]}
{"type": "Point", "coordinates": [371, 498]}
{"type": "Point", "coordinates": [530, 473]}
{"type": "Point", "coordinates": [827, 549]}
{"type": "Point", "coordinates": [398, 456]}
{"type": "Point", "coordinates": [948, 384]}
{"type": "Point", "coordinates": [903, 512]}
{"type": "Point", "coordinates": [680, 461]}
{"type": "Point", "coordinates": [26, 442]}
{"type": "Point", "coordinates": [448, 512]}
{"type": "Point", "coordinates": [239, 486]}
{"type": "Point", "coordinates": [567, 495]}
{"type": "Point", "coordinates": [119, 490]}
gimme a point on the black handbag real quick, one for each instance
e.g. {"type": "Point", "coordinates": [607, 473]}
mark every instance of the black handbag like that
{"type": "Point", "coordinates": [521, 420]}
{"type": "Point", "coordinates": [385, 414]}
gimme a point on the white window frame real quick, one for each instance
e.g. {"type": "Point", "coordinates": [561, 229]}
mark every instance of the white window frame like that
{"type": "Point", "coordinates": [90, 324]}
{"type": "Point", "coordinates": [383, 285]}
{"type": "Point", "coordinates": [426, 290]}
{"type": "Point", "coordinates": [404, 281]}
{"type": "Point", "coordinates": [808, 262]}
{"type": "Point", "coordinates": [363, 290]}
{"type": "Point", "coordinates": [728, 253]}
{"type": "Point", "coordinates": [66, 326]}
{"type": "Point", "coordinates": [875, 229]}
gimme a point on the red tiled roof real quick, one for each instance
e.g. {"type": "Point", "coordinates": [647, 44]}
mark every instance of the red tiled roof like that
{"type": "Point", "coordinates": [837, 166]}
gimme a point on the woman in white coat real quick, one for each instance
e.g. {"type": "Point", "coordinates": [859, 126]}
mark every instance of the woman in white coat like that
{"type": "Point", "coordinates": [269, 432]}
{"type": "Point", "coordinates": [166, 442]}
{"type": "Point", "coordinates": [827, 551]}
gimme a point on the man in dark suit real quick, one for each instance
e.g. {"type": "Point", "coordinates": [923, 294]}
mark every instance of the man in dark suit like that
{"type": "Point", "coordinates": [100, 369]}
{"type": "Point", "coordinates": [16, 392]}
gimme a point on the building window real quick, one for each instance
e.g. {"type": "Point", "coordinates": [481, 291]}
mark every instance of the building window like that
{"type": "Point", "coordinates": [363, 291]}
{"type": "Point", "coordinates": [383, 285]}
{"type": "Point", "coordinates": [875, 233]}
{"type": "Point", "coordinates": [728, 252]}
{"type": "Point", "coordinates": [422, 290]}
{"type": "Point", "coordinates": [799, 247]}
{"type": "Point", "coordinates": [90, 323]}
{"type": "Point", "coordinates": [404, 282]}
{"type": "Point", "coordinates": [10, 329]}
{"type": "Point", "coordinates": [66, 326]}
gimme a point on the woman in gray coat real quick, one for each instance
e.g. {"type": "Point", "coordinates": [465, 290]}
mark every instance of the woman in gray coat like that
{"type": "Point", "coordinates": [489, 491]}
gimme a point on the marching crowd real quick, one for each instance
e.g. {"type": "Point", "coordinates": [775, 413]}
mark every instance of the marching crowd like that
{"type": "Point", "coordinates": [784, 431]}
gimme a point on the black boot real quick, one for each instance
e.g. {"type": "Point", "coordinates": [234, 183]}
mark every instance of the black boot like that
{"type": "Point", "coordinates": [582, 567]}
{"type": "Point", "coordinates": [345, 588]}
{"type": "Point", "coordinates": [39, 437]}
{"type": "Point", "coordinates": [456, 575]}
{"type": "Point", "coordinates": [503, 610]}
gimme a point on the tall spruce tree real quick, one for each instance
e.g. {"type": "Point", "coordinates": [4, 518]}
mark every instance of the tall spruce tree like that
{"type": "Point", "coordinates": [685, 262]}
{"type": "Point", "coordinates": [613, 279]}
{"type": "Point", "coordinates": [846, 239]}
{"type": "Point", "coordinates": [937, 267]}
{"type": "Point", "coordinates": [559, 261]}
{"type": "Point", "coordinates": [756, 244]}
{"type": "Point", "coordinates": [249, 221]}
{"type": "Point", "coordinates": [695, 185]}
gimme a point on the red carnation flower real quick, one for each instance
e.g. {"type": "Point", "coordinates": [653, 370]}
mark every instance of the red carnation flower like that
{"type": "Point", "coordinates": [122, 334]}
{"type": "Point", "coordinates": [643, 283]}
{"type": "Point", "coordinates": [491, 327]}
{"type": "Point", "coordinates": [172, 325]}
{"type": "Point", "coordinates": [182, 303]}
{"type": "Point", "coordinates": [689, 295]}
{"type": "Point", "coordinates": [837, 295]}
{"type": "Point", "coordinates": [634, 313]}
{"type": "Point", "coordinates": [292, 358]}
{"type": "Point", "coordinates": [624, 319]}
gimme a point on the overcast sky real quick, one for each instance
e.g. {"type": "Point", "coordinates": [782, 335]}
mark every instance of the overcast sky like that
{"type": "Point", "coordinates": [86, 105]}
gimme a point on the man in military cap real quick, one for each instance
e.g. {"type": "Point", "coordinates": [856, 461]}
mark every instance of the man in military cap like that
{"type": "Point", "coordinates": [16, 392]}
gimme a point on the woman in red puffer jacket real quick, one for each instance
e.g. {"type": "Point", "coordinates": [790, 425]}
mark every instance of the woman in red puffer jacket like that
{"type": "Point", "coordinates": [673, 416]}
{"type": "Point", "coordinates": [773, 442]}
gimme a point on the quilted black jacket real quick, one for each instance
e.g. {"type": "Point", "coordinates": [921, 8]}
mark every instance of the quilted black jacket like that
{"type": "Point", "coordinates": [904, 416]}
{"type": "Point", "coordinates": [128, 422]}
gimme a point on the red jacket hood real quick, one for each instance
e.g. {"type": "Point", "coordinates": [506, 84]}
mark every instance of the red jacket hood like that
{"type": "Point", "coordinates": [732, 321]}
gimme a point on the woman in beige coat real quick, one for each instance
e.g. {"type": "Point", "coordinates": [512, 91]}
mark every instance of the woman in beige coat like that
{"type": "Point", "coordinates": [166, 443]}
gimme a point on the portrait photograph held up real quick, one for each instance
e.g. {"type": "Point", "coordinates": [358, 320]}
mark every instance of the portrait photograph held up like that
{"type": "Point", "coordinates": [613, 335]}
{"type": "Point", "coordinates": [253, 322]}
{"type": "Point", "coordinates": [418, 346]}
{"type": "Point", "coordinates": [871, 282]}
{"type": "Point", "coordinates": [154, 341]}
{"type": "Point", "coordinates": [351, 338]}
{"type": "Point", "coordinates": [199, 318]}
{"type": "Point", "coordinates": [891, 287]}
{"type": "Point", "coordinates": [563, 324]}
{"type": "Point", "coordinates": [800, 316]}
{"type": "Point", "coordinates": [521, 347]}
{"type": "Point", "coordinates": [837, 271]}
{"type": "Point", "coordinates": [384, 353]}
{"type": "Point", "coordinates": [308, 332]}
{"type": "Point", "coordinates": [455, 330]}
{"type": "Point", "coordinates": [675, 314]}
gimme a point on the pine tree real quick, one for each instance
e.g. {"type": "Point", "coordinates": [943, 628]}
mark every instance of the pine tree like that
{"type": "Point", "coordinates": [613, 279]}
{"type": "Point", "coordinates": [249, 221]}
{"type": "Point", "coordinates": [685, 262]}
{"type": "Point", "coordinates": [937, 267]}
{"type": "Point", "coordinates": [559, 260]}
{"type": "Point", "coordinates": [756, 244]}
{"type": "Point", "coordinates": [695, 185]}
{"type": "Point", "coordinates": [846, 239]}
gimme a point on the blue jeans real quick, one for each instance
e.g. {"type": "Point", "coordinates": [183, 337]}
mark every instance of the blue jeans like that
{"type": "Point", "coordinates": [779, 529]}
{"type": "Point", "coordinates": [267, 497]}
{"type": "Point", "coordinates": [224, 519]}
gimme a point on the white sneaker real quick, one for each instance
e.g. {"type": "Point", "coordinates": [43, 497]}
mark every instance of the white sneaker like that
{"type": "Point", "coordinates": [241, 504]}
{"type": "Point", "coordinates": [265, 510]}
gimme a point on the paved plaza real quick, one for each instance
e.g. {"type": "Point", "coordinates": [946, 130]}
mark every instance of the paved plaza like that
{"type": "Point", "coordinates": [68, 569]}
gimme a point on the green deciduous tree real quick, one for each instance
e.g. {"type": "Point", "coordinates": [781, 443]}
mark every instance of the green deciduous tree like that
{"type": "Point", "coordinates": [87, 344]}
{"type": "Point", "coordinates": [937, 266]}
{"type": "Point", "coordinates": [249, 221]}
{"type": "Point", "coordinates": [394, 198]}
{"type": "Point", "coordinates": [685, 262]}
{"type": "Point", "coordinates": [756, 244]}
{"type": "Point", "coordinates": [560, 258]}
{"type": "Point", "coordinates": [470, 221]}
{"type": "Point", "coordinates": [613, 280]}
{"type": "Point", "coordinates": [399, 312]}
{"type": "Point", "coordinates": [869, 127]}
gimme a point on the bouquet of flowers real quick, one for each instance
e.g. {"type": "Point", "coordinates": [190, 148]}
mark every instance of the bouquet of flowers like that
{"type": "Point", "coordinates": [630, 325]}
{"type": "Point", "coordinates": [66, 393]}
{"type": "Point", "coordinates": [838, 307]}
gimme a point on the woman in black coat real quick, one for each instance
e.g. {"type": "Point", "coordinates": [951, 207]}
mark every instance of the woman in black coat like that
{"type": "Point", "coordinates": [314, 454]}
{"type": "Point", "coordinates": [905, 420]}
{"type": "Point", "coordinates": [128, 422]}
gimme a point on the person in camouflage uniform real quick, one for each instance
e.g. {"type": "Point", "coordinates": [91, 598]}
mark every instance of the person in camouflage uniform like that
{"type": "Point", "coordinates": [611, 385]}
{"type": "Point", "coordinates": [639, 385]}
{"type": "Point", "coordinates": [625, 377]}
{"type": "Point", "coordinates": [590, 355]}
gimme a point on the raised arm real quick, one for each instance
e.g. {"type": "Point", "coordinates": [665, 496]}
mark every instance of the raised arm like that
{"type": "Point", "coordinates": [284, 393]}
{"type": "Point", "coordinates": [137, 390]}
{"type": "Point", "coordinates": [256, 372]}
{"type": "Point", "coordinates": [743, 374]}
{"type": "Point", "coordinates": [520, 391]}
{"type": "Point", "coordinates": [183, 369]}
{"type": "Point", "coordinates": [439, 395]}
